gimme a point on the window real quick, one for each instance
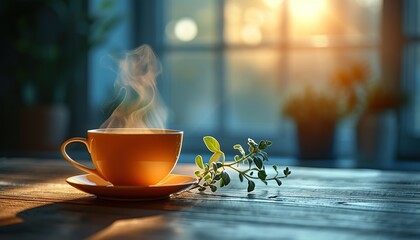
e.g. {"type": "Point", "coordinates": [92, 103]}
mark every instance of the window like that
{"type": "Point", "coordinates": [410, 131]}
{"type": "Point", "coordinates": [227, 64]}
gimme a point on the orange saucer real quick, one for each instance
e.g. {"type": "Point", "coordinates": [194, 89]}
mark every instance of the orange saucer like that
{"type": "Point", "coordinates": [93, 184]}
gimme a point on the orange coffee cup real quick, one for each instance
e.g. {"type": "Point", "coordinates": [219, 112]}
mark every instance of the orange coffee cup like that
{"type": "Point", "coordinates": [130, 156]}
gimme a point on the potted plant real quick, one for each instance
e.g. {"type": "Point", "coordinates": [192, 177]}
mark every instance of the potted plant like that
{"type": "Point", "coordinates": [48, 42]}
{"type": "Point", "coordinates": [316, 113]}
{"type": "Point", "coordinates": [377, 102]}
{"type": "Point", "coordinates": [376, 128]}
{"type": "Point", "coordinates": [317, 110]}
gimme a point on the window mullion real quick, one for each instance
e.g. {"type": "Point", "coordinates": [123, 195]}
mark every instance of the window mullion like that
{"type": "Point", "coordinates": [221, 82]}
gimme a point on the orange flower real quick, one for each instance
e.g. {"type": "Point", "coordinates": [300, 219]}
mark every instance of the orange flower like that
{"type": "Point", "coordinates": [342, 79]}
{"type": "Point", "coordinates": [359, 72]}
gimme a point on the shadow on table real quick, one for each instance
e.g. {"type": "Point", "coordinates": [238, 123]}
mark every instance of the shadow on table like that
{"type": "Point", "coordinates": [96, 218]}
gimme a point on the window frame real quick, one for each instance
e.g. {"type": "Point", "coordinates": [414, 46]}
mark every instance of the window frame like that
{"type": "Point", "coordinates": [409, 142]}
{"type": "Point", "coordinates": [154, 11]}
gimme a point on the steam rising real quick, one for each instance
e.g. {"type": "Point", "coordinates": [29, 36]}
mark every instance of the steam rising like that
{"type": "Point", "coordinates": [141, 106]}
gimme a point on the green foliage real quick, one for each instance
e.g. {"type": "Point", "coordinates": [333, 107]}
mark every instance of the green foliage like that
{"type": "Point", "coordinates": [211, 143]}
{"type": "Point", "coordinates": [199, 161]}
{"type": "Point", "coordinates": [350, 90]}
{"type": "Point", "coordinates": [216, 169]}
{"type": "Point", "coordinates": [48, 41]}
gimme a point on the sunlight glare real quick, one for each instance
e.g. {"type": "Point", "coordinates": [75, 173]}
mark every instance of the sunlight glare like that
{"type": "Point", "coordinates": [320, 41]}
{"type": "Point", "coordinates": [254, 15]}
{"type": "Point", "coordinates": [186, 29]}
{"type": "Point", "coordinates": [307, 10]}
{"type": "Point", "coordinates": [251, 34]}
{"type": "Point", "coordinates": [273, 3]}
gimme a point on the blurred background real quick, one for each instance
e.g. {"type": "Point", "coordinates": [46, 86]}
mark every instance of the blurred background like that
{"type": "Point", "coordinates": [329, 82]}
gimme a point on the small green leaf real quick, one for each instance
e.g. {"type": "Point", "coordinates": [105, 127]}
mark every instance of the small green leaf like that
{"type": "Point", "coordinates": [226, 178]}
{"type": "Point", "coordinates": [249, 159]}
{"type": "Point", "coordinates": [268, 142]}
{"type": "Point", "coordinates": [287, 172]}
{"type": "Point", "coordinates": [241, 177]}
{"type": "Point", "coordinates": [207, 178]}
{"type": "Point", "coordinates": [262, 175]}
{"type": "Point", "coordinates": [219, 165]}
{"type": "Point", "coordinates": [258, 162]}
{"type": "Point", "coordinates": [213, 188]}
{"type": "Point", "coordinates": [264, 181]}
{"type": "Point", "coordinates": [252, 145]}
{"type": "Point", "coordinates": [197, 173]}
{"type": "Point", "coordinates": [262, 145]}
{"type": "Point", "coordinates": [252, 142]}
{"type": "Point", "coordinates": [216, 157]}
{"type": "Point", "coordinates": [251, 173]}
{"type": "Point", "coordinates": [201, 189]}
{"type": "Point", "coordinates": [214, 166]}
{"type": "Point", "coordinates": [222, 184]}
{"type": "Point", "coordinates": [236, 158]}
{"type": "Point", "coordinates": [199, 161]}
{"type": "Point", "coordinates": [239, 148]}
{"type": "Point", "coordinates": [264, 155]}
{"type": "Point", "coordinates": [251, 186]}
{"type": "Point", "coordinates": [211, 143]}
{"type": "Point", "coordinates": [275, 168]}
{"type": "Point", "coordinates": [218, 176]}
{"type": "Point", "coordinates": [278, 181]}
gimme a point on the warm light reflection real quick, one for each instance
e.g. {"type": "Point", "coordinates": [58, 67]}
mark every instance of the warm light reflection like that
{"type": "Point", "coordinates": [233, 12]}
{"type": "Point", "coordinates": [147, 227]}
{"type": "Point", "coordinates": [320, 41]}
{"type": "Point", "coordinates": [254, 16]}
{"type": "Point", "coordinates": [370, 4]}
{"type": "Point", "coordinates": [251, 34]}
{"type": "Point", "coordinates": [186, 29]}
{"type": "Point", "coordinates": [17, 214]}
{"type": "Point", "coordinates": [252, 22]}
{"type": "Point", "coordinates": [273, 3]}
{"type": "Point", "coordinates": [307, 10]}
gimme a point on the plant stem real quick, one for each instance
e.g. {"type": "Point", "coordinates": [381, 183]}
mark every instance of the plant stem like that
{"type": "Point", "coordinates": [240, 160]}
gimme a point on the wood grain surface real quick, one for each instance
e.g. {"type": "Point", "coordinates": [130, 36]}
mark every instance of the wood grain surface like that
{"type": "Point", "coordinates": [313, 203]}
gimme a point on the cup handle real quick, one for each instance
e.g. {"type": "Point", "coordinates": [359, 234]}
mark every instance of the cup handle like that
{"type": "Point", "coordinates": [74, 163]}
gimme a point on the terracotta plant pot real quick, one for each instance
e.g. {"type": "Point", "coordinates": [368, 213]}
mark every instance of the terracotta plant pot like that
{"type": "Point", "coordinates": [44, 128]}
{"type": "Point", "coordinates": [376, 139]}
{"type": "Point", "coordinates": [316, 141]}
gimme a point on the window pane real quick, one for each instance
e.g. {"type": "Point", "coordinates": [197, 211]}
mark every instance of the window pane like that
{"type": "Point", "coordinates": [411, 66]}
{"type": "Point", "coordinates": [243, 94]}
{"type": "Point", "coordinates": [191, 22]}
{"type": "Point", "coordinates": [412, 18]}
{"type": "Point", "coordinates": [192, 91]}
{"type": "Point", "coordinates": [326, 22]}
{"type": "Point", "coordinates": [316, 66]}
{"type": "Point", "coordinates": [417, 96]}
{"type": "Point", "coordinates": [252, 22]}
{"type": "Point", "coordinates": [412, 86]}
{"type": "Point", "coordinates": [253, 92]}
{"type": "Point", "coordinates": [409, 140]}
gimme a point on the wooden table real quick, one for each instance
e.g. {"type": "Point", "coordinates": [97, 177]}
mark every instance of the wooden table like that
{"type": "Point", "coordinates": [314, 203]}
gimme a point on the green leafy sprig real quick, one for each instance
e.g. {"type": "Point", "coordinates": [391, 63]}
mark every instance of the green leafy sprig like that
{"type": "Point", "coordinates": [215, 170]}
